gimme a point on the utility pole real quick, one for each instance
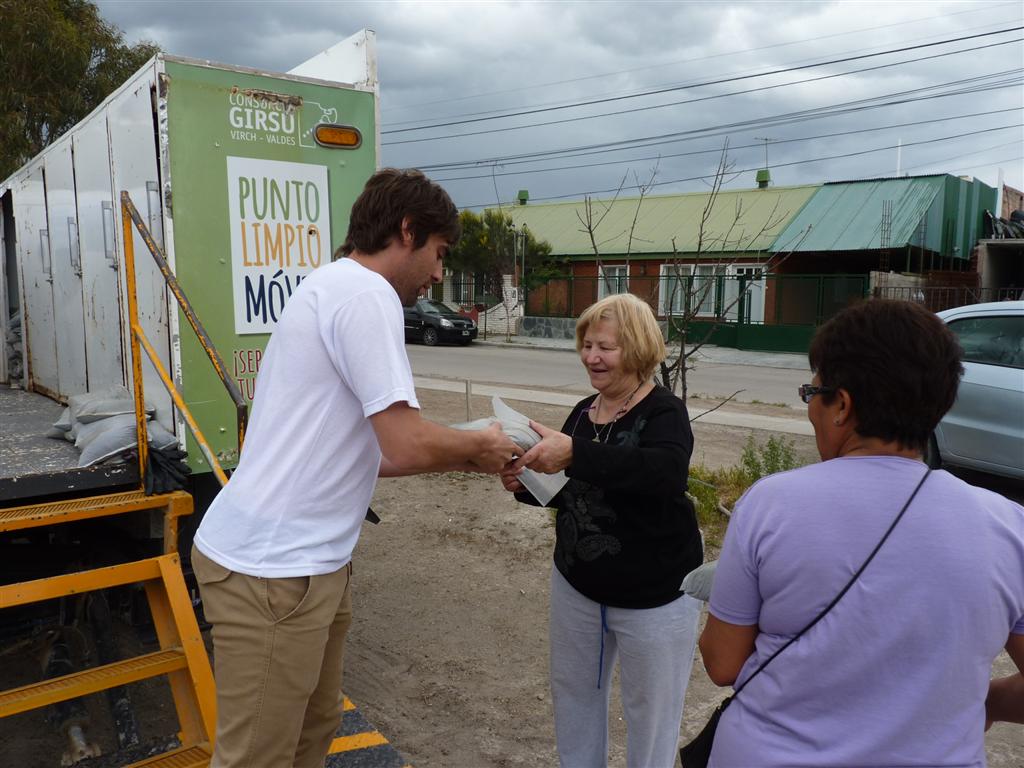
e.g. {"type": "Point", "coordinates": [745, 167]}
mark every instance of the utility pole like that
{"type": "Point", "coordinates": [522, 275]}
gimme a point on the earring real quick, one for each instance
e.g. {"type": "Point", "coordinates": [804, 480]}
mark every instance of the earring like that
{"type": "Point", "coordinates": [836, 422]}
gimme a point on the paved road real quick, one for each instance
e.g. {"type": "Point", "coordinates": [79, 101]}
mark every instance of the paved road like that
{"type": "Point", "coordinates": [789, 422]}
{"type": "Point", "coordinates": [561, 370]}
{"type": "Point", "coordinates": [529, 374]}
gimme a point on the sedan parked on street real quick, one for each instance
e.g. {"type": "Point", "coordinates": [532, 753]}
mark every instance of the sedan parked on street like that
{"type": "Point", "coordinates": [984, 430]}
{"type": "Point", "coordinates": [431, 321]}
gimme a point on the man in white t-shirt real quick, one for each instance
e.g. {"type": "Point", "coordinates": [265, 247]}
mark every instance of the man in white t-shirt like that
{"type": "Point", "coordinates": [335, 408]}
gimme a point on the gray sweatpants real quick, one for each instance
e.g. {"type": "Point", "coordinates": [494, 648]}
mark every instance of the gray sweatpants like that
{"type": "Point", "coordinates": [654, 648]}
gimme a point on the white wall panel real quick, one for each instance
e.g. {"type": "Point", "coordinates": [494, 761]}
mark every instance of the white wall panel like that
{"type": "Point", "coordinates": [62, 219]}
{"type": "Point", "coordinates": [37, 281]}
{"type": "Point", "coordinates": [133, 157]}
{"type": "Point", "coordinates": [97, 221]}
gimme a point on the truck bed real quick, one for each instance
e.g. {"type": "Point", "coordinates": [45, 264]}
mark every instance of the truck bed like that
{"type": "Point", "coordinates": [33, 465]}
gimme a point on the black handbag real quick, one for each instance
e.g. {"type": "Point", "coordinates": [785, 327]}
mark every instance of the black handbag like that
{"type": "Point", "coordinates": [697, 752]}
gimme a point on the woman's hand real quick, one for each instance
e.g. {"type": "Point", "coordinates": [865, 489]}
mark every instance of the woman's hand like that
{"type": "Point", "coordinates": [552, 454]}
{"type": "Point", "coordinates": [510, 478]}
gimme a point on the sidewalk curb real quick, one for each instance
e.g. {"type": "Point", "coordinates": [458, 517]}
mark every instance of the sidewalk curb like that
{"type": "Point", "coordinates": [707, 355]}
{"type": "Point", "coordinates": [797, 424]}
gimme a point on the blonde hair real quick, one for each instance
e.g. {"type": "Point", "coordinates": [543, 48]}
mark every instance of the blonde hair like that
{"type": "Point", "coordinates": [639, 333]}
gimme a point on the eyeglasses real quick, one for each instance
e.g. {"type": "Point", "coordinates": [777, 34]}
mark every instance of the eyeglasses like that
{"type": "Point", "coordinates": [807, 391]}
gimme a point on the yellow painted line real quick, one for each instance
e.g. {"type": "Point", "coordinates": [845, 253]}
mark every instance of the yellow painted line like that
{"type": "Point", "coordinates": [347, 705]}
{"type": "Point", "coordinates": [356, 741]}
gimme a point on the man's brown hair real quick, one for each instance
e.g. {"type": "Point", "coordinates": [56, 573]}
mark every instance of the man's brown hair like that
{"type": "Point", "coordinates": [391, 196]}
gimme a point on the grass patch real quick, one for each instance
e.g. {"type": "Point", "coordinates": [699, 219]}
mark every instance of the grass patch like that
{"type": "Point", "coordinates": [711, 487]}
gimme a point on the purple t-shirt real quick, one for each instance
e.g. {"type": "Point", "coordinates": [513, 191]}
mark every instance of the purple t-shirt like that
{"type": "Point", "coordinates": [897, 673]}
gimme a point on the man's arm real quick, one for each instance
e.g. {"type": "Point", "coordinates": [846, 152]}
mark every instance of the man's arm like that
{"type": "Point", "coordinates": [412, 445]}
{"type": "Point", "coordinates": [725, 648]}
{"type": "Point", "coordinates": [1005, 700]}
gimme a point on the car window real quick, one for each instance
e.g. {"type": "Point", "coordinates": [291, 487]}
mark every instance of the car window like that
{"type": "Point", "coordinates": [430, 307]}
{"type": "Point", "coordinates": [992, 340]}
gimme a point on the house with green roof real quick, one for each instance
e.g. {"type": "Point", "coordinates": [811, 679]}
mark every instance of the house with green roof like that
{"type": "Point", "coordinates": [648, 245]}
{"type": "Point", "coordinates": [769, 256]}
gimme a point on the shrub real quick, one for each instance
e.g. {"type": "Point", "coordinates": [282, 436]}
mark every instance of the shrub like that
{"type": "Point", "coordinates": [776, 455]}
{"type": "Point", "coordinates": [711, 487]}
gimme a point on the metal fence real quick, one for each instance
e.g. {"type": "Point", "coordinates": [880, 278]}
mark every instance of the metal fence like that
{"type": "Point", "coordinates": [746, 311]}
{"type": "Point", "coordinates": [467, 292]}
{"type": "Point", "coordinates": [938, 298]}
{"type": "Point", "coordinates": [489, 302]}
{"type": "Point", "coordinates": [742, 298]}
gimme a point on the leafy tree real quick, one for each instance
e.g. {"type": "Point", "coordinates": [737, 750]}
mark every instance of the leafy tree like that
{"type": "Point", "coordinates": [491, 246]}
{"type": "Point", "coordinates": [58, 61]}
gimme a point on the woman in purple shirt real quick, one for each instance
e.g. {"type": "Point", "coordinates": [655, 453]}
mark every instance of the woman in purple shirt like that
{"type": "Point", "coordinates": [897, 672]}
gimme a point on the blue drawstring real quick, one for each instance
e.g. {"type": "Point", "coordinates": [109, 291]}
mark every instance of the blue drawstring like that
{"type": "Point", "coordinates": [600, 659]}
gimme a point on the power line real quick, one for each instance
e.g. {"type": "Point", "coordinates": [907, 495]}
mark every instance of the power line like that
{"type": "Point", "coordinates": [787, 118]}
{"type": "Point", "coordinates": [953, 157]}
{"type": "Point", "coordinates": [715, 150]}
{"type": "Point", "coordinates": [536, 86]}
{"type": "Point", "coordinates": [634, 110]}
{"type": "Point", "coordinates": [993, 164]}
{"type": "Point", "coordinates": [718, 81]}
{"type": "Point", "coordinates": [791, 163]}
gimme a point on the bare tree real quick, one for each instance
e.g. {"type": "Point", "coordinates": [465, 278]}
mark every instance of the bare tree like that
{"type": "Point", "coordinates": [687, 296]}
{"type": "Point", "coordinates": [590, 222]}
{"type": "Point", "coordinates": [693, 294]}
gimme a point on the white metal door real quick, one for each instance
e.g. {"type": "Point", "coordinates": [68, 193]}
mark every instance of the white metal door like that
{"type": "Point", "coordinates": [96, 225]}
{"type": "Point", "coordinates": [40, 338]}
{"type": "Point", "coordinates": [133, 158]}
{"type": "Point", "coordinates": [66, 259]}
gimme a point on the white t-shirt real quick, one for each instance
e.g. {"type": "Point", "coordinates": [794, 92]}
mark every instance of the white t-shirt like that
{"type": "Point", "coordinates": [295, 504]}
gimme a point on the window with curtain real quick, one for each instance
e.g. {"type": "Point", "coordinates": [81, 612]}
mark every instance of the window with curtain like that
{"type": "Point", "coordinates": [613, 279]}
{"type": "Point", "coordinates": [705, 288]}
{"type": "Point", "coordinates": [672, 290]}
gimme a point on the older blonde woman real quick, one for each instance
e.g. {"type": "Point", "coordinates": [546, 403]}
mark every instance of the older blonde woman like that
{"type": "Point", "coordinates": [625, 538]}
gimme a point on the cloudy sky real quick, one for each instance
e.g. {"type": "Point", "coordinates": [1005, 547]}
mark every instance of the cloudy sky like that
{"type": "Point", "coordinates": [572, 98]}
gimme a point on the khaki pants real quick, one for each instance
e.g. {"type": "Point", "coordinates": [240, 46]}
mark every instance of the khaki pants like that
{"type": "Point", "coordinates": [278, 646]}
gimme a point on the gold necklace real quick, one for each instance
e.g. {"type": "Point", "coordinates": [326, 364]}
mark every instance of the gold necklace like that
{"type": "Point", "coordinates": [606, 429]}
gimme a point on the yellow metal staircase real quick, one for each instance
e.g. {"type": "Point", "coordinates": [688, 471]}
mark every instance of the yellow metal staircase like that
{"type": "Point", "coordinates": [182, 655]}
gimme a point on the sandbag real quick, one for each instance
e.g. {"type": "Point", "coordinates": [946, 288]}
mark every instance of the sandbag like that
{"type": "Point", "coordinates": [103, 403]}
{"type": "Point", "coordinates": [61, 427]}
{"type": "Point", "coordinates": [121, 437]}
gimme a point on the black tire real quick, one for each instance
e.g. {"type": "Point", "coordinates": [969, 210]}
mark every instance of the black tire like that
{"type": "Point", "coordinates": [430, 336]}
{"type": "Point", "coordinates": [931, 453]}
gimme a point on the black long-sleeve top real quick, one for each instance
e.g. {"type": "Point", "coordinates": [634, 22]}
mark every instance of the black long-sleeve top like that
{"type": "Point", "coordinates": [626, 534]}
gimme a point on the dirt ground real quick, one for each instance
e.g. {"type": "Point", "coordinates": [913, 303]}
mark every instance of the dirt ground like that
{"type": "Point", "coordinates": [447, 656]}
{"type": "Point", "coordinates": [448, 651]}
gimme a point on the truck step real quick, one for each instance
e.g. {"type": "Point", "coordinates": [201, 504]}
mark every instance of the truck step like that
{"type": "Point", "coordinates": [90, 681]}
{"type": "Point", "coordinates": [197, 756]}
{"type": "Point", "coordinates": [50, 513]}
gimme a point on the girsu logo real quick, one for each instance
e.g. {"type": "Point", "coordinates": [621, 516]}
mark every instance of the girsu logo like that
{"type": "Point", "coordinates": [264, 116]}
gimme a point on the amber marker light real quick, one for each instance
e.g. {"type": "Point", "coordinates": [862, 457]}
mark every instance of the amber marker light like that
{"type": "Point", "coordinates": [343, 136]}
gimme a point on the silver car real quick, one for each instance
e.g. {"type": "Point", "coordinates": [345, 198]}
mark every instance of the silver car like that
{"type": "Point", "coordinates": [984, 430]}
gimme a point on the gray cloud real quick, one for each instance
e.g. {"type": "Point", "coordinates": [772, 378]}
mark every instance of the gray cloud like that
{"type": "Point", "coordinates": [509, 56]}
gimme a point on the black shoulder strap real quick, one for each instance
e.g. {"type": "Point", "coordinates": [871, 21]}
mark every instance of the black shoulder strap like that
{"type": "Point", "coordinates": [842, 592]}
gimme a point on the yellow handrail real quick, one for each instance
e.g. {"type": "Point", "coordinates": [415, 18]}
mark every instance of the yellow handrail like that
{"type": "Point", "coordinates": [130, 215]}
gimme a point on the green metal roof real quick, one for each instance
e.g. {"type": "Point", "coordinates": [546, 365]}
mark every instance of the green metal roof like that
{"type": "Point", "coordinates": [847, 216]}
{"type": "Point", "coordinates": [740, 221]}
